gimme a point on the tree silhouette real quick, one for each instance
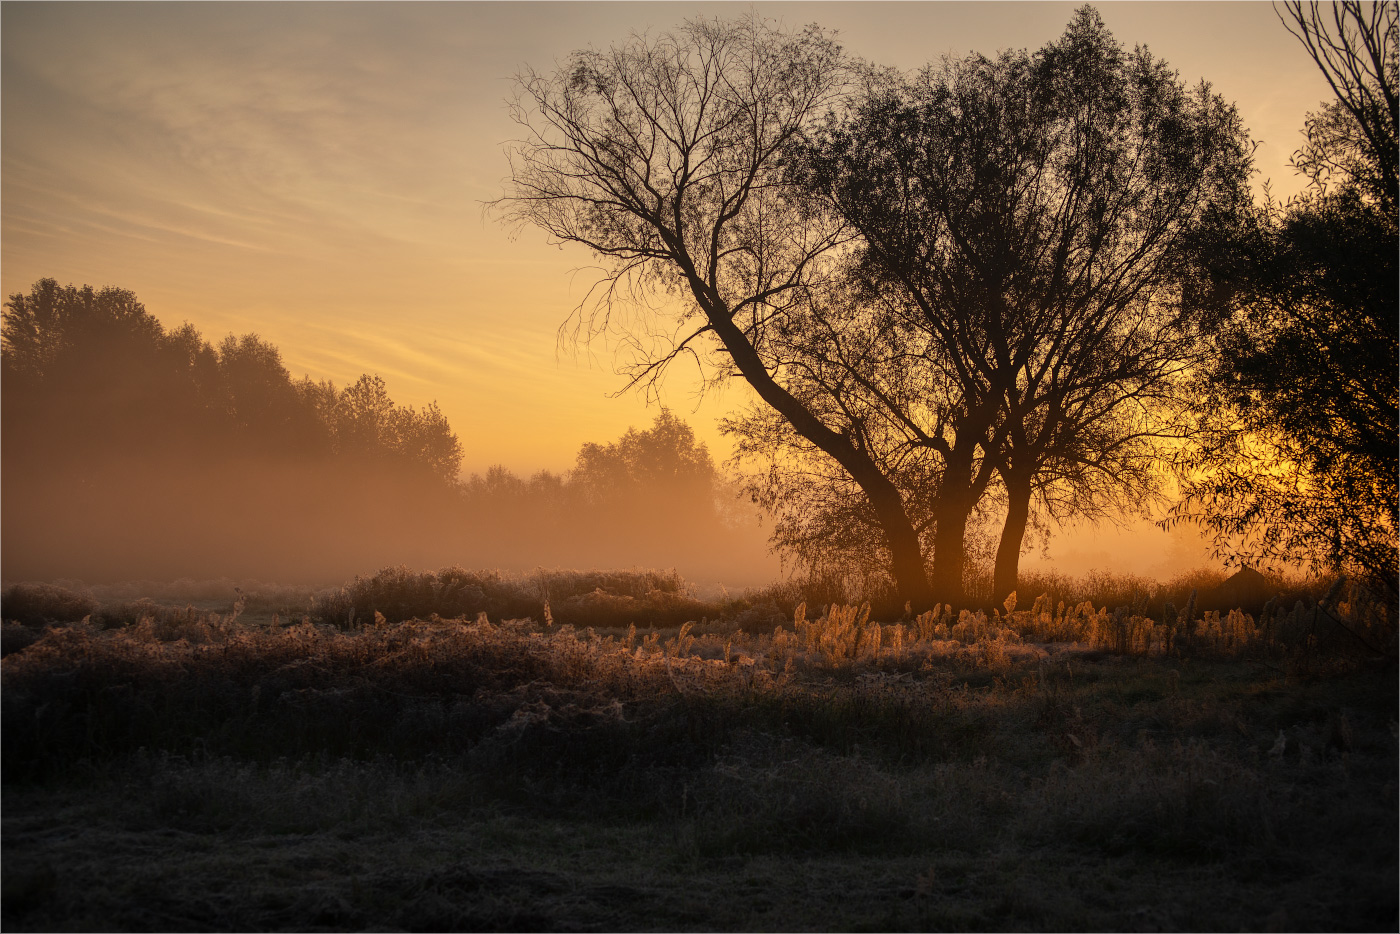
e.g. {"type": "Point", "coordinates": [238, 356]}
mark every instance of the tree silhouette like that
{"type": "Point", "coordinates": [86, 368]}
{"type": "Point", "coordinates": [662, 156]}
{"type": "Point", "coordinates": [1296, 459]}
{"type": "Point", "coordinates": [195, 458]}
{"type": "Point", "coordinates": [267, 413]}
{"type": "Point", "coordinates": [656, 478]}
{"type": "Point", "coordinates": [1018, 223]}
{"type": "Point", "coordinates": [368, 427]}
{"type": "Point", "coordinates": [54, 332]}
{"type": "Point", "coordinates": [1021, 224]}
{"type": "Point", "coordinates": [1352, 139]}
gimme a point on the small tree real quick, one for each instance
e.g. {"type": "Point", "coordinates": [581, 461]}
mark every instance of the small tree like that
{"type": "Point", "coordinates": [267, 413]}
{"type": "Point", "coordinates": [369, 427]}
{"type": "Point", "coordinates": [664, 463]}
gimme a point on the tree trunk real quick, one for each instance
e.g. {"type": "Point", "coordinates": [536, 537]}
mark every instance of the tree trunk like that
{"type": "Point", "coordinates": [907, 561]}
{"type": "Point", "coordinates": [955, 502]}
{"type": "Point", "coordinates": [1008, 566]}
{"type": "Point", "coordinates": [948, 550]}
{"type": "Point", "coordinates": [906, 558]}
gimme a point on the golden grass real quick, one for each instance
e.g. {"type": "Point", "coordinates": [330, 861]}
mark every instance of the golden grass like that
{"type": "Point", "coordinates": [949, 770]}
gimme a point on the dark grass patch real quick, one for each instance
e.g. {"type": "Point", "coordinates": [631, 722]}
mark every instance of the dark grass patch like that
{"type": "Point", "coordinates": [403, 849]}
{"type": "Point", "coordinates": [462, 774]}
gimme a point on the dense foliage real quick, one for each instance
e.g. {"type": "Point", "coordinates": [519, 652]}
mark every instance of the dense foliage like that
{"type": "Point", "coordinates": [1297, 457]}
{"type": "Point", "coordinates": [1013, 329]}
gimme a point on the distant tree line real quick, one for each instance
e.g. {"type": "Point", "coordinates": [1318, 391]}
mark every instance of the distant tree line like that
{"type": "Point", "coordinates": [653, 497]}
{"type": "Point", "coordinates": [130, 450]}
{"type": "Point", "coordinates": [89, 370]}
{"type": "Point", "coordinates": [997, 293]}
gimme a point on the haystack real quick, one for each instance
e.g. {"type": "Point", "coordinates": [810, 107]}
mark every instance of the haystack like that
{"type": "Point", "coordinates": [1246, 589]}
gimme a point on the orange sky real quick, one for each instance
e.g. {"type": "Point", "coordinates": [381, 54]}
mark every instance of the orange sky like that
{"type": "Point", "coordinates": [316, 173]}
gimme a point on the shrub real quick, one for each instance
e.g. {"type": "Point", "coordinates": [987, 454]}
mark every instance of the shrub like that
{"type": "Point", "coordinates": [580, 598]}
{"type": "Point", "coordinates": [14, 637]}
{"type": "Point", "coordinates": [36, 604]}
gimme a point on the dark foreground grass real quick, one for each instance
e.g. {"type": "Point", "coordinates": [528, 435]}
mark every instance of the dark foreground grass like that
{"type": "Point", "coordinates": [455, 775]}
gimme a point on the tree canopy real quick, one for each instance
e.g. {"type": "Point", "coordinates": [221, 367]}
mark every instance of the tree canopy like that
{"type": "Point", "coordinates": [1296, 456]}
{"type": "Point", "coordinates": [1020, 226]}
{"type": "Point", "coordinates": [952, 268]}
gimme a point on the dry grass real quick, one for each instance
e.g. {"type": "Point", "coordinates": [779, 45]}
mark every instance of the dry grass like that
{"type": "Point", "coordinates": [580, 598]}
{"type": "Point", "coordinates": [1345, 623]}
{"type": "Point", "coordinates": [1039, 768]}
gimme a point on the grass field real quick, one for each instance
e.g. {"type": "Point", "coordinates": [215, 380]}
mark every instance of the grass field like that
{"type": "Point", "coordinates": [1044, 769]}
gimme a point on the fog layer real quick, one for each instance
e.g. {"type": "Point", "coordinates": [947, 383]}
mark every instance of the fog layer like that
{"type": "Point", "coordinates": [133, 451]}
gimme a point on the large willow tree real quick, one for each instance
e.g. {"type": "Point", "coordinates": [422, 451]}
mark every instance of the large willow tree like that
{"type": "Point", "coordinates": [964, 279]}
{"type": "Point", "coordinates": [1022, 222]}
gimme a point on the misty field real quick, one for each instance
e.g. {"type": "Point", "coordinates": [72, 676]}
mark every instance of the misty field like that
{"type": "Point", "coordinates": [1051, 767]}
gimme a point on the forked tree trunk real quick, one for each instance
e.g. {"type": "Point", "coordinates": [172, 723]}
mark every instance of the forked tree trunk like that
{"type": "Point", "coordinates": [906, 560]}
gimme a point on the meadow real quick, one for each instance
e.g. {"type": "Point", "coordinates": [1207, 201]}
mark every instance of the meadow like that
{"type": "Point", "coordinates": [468, 750]}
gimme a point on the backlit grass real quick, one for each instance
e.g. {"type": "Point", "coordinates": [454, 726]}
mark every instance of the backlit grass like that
{"type": "Point", "coordinates": [960, 770]}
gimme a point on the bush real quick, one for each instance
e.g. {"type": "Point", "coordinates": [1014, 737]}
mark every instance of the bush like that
{"type": "Point", "coordinates": [36, 604]}
{"type": "Point", "coordinates": [580, 598]}
{"type": "Point", "coordinates": [14, 637]}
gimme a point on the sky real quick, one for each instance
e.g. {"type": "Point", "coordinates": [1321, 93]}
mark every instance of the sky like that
{"type": "Point", "coordinates": [319, 173]}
